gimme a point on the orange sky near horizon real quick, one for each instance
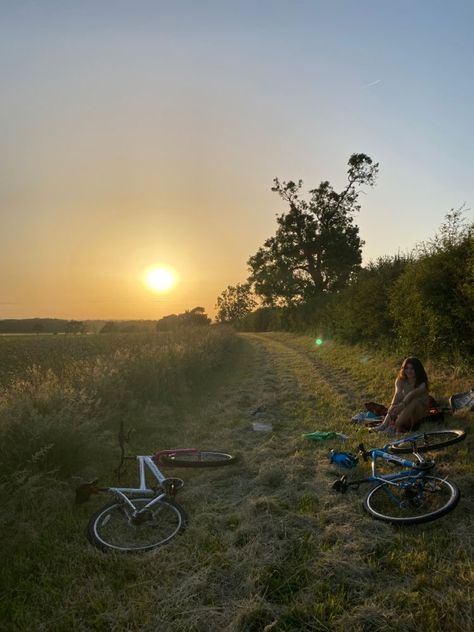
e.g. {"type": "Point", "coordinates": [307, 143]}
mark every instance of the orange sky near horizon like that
{"type": "Point", "coordinates": [151, 134]}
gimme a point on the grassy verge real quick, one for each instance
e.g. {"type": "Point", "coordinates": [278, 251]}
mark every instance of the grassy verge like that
{"type": "Point", "coordinates": [269, 546]}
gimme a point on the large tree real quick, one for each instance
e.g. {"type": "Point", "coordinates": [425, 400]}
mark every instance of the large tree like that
{"type": "Point", "coordinates": [317, 246]}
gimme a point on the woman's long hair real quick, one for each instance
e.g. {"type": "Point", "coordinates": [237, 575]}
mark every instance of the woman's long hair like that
{"type": "Point", "coordinates": [420, 373]}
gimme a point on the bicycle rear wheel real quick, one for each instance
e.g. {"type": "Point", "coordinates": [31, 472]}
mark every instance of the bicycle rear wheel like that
{"type": "Point", "coordinates": [412, 500]}
{"type": "Point", "coordinates": [114, 528]}
{"type": "Point", "coordinates": [427, 441]}
{"type": "Point", "coordinates": [198, 459]}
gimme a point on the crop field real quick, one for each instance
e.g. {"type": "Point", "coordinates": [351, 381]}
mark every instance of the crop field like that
{"type": "Point", "coordinates": [269, 546]}
{"type": "Point", "coordinates": [20, 354]}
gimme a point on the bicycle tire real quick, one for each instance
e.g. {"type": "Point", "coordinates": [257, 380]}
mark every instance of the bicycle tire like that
{"type": "Point", "coordinates": [416, 503]}
{"type": "Point", "coordinates": [110, 528]}
{"type": "Point", "coordinates": [201, 458]}
{"type": "Point", "coordinates": [428, 441]}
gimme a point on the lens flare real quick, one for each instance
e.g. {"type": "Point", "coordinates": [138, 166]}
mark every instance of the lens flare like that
{"type": "Point", "coordinates": [318, 342]}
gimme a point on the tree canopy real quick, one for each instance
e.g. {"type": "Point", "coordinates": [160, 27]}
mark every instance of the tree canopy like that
{"type": "Point", "coordinates": [196, 316]}
{"type": "Point", "coordinates": [234, 303]}
{"type": "Point", "coordinates": [317, 246]}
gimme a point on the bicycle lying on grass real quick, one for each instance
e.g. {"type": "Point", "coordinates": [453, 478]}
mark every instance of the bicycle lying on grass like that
{"type": "Point", "coordinates": [412, 495]}
{"type": "Point", "coordinates": [143, 518]}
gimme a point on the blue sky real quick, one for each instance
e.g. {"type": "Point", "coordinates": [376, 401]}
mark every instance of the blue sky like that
{"type": "Point", "coordinates": [145, 132]}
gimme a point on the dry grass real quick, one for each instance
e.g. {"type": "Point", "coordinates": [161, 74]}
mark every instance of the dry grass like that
{"type": "Point", "coordinates": [269, 546]}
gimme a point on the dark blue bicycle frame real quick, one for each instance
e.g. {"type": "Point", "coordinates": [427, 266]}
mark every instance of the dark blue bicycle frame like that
{"type": "Point", "coordinates": [382, 453]}
{"type": "Point", "coordinates": [417, 470]}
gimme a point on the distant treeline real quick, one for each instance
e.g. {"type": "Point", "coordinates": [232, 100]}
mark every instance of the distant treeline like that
{"type": "Point", "coordinates": [420, 303]}
{"type": "Point", "coordinates": [60, 326]}
{"type": "Point", "coordinates": [189, 318]}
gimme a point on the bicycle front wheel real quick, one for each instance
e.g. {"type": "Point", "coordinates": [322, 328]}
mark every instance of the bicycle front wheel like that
{"type": "Point", "coordinates": [114, 527]}
{"type": "Point", "coordinates": [427, 441]}
{"type": "Point", "coordinates": [412, 500]}
{"type": "Point", "coordinates": [198, 459]}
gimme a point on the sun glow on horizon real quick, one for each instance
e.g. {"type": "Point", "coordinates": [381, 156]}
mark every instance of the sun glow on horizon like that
{"type": "Point", "coordinates": [160, 278]}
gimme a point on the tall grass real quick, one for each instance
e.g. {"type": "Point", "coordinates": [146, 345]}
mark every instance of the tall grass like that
{"type": "Point", "coordinates": [60, 419]}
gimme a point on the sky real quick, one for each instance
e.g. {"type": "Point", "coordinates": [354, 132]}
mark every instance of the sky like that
{"type": "Point", "coordinates": [149, 132]}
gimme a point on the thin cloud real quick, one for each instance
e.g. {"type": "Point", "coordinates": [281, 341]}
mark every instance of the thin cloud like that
{"type": "Point", "coordinates": [374, 83]}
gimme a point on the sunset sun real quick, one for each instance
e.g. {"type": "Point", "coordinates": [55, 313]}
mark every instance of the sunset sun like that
{"type": "Point", "coordinates": [160, 278]}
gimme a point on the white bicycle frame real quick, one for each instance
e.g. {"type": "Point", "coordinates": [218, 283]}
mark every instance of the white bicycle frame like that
{"type": "Point", "coordinates": [121, 492]}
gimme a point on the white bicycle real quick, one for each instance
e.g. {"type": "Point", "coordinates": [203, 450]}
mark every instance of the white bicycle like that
{"type": "Point", "coordinates": [143, 518]}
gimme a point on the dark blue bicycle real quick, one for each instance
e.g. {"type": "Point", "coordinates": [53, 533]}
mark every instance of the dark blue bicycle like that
{"type": "Point", "coordinates": [411, 495]}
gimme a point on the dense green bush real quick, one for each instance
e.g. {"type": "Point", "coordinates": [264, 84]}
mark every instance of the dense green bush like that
{"type": "Point", "coordinates": [262, 319]}
{"type": "Point", "coordinates": [361, 311]}
{"type": "Point", "coordinates": [432, 304]}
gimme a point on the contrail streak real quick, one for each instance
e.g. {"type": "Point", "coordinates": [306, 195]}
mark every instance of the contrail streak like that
{"type": "Point", "coordinates": [374, 83]}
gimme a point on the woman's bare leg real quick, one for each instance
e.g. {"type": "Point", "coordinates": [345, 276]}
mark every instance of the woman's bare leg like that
{"type": "Point", "coordinates": [385, 424]}
{"type": "Point", "coordinates": [411, 415]}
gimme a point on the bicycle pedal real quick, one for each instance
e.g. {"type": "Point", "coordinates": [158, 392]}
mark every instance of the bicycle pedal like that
{"type": "Point", "coordinates": [340, 485]}
{"type": "Point", "coordinates": [171, 486]}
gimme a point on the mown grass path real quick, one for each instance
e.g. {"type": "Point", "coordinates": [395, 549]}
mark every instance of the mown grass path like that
{"type": "Point", "coordinates": [269, 546]}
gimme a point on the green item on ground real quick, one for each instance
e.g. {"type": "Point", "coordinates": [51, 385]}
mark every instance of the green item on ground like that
{"type": "Point", "coordinates": [319, 435]}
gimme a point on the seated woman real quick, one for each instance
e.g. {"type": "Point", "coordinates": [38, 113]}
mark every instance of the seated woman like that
{"type": "Point", "coordinates": [410, 403]}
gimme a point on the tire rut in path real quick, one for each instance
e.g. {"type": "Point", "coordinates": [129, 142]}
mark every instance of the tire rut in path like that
{"type": "Point", "coordinates": [339, 381]}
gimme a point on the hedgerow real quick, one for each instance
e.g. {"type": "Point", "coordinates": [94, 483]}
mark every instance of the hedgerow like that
{"type": "Point", "coordinates": [422, 302]}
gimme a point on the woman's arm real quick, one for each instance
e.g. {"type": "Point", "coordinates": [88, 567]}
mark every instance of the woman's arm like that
{"type": "Point", "coordinates": [398, 395]}
{"type": "Point", "coordinates": [416, 392]}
